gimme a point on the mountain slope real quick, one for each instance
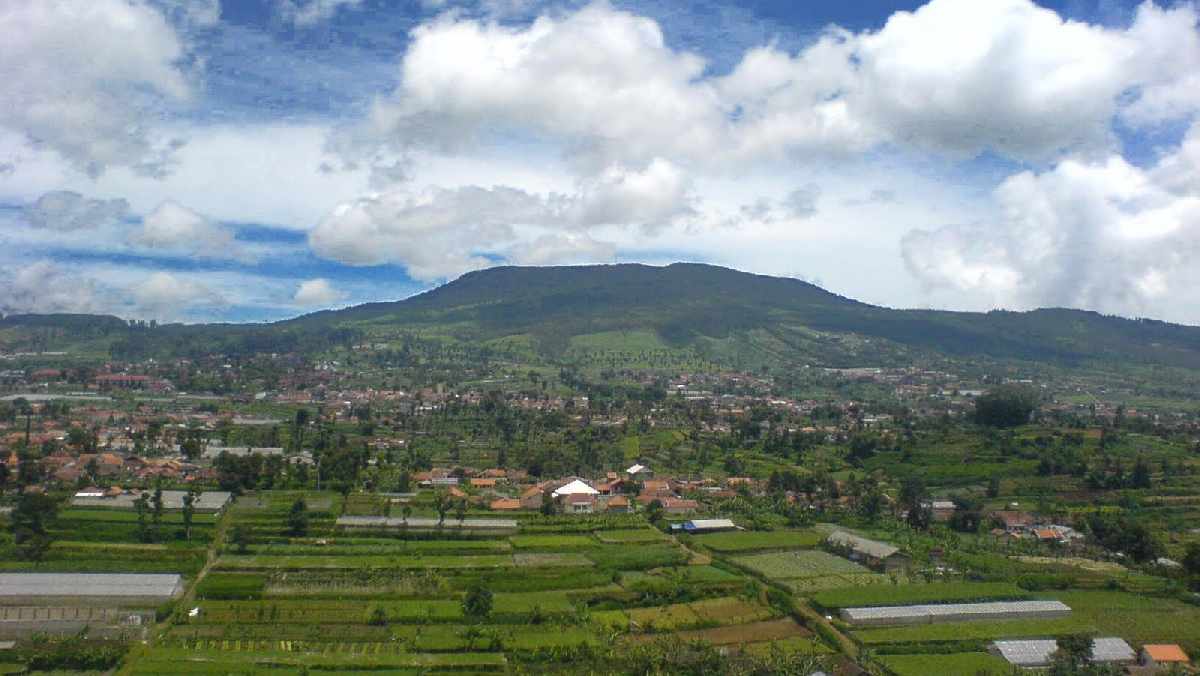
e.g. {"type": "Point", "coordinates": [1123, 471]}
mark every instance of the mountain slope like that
{"type": "Point", "coordinates": [683, 305]}
{"type": "Point", "coordinates": [685, 302]}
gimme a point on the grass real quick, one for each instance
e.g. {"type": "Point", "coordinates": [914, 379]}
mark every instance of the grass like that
{"type": "Point", "coordinates": [250, 562]}
{"type": "Point", "coordinates": [732, 543]}
{"type": "Point", "coordinates": [910, 594]}
{"type": "Point", "coordinates": [552, 541]}
{"type": "Point", "coordinates": [630, 536]}
{"type": "Point", "coordinates": [975, 631]}
{"type": "Point", "coordinates": [798, 564]}
{"type": "Point", "coordinates": [952, 664]}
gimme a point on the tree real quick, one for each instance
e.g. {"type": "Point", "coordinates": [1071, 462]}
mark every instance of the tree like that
{"type": "Point", "coordinates": [406, 511]}
{"type": "Point", "coordinates": [654, 511]}
{"type": "Point", "coordinates": [157, 505]}
{"type": "Point", "coordinates": [30, 521]}
{"type": "Point", "coordinates": [142, 506]}
{"type": "Point", "coordinates": [477, 604]}
{"type": "Point", "coordinates": [1074, 651]}
{"type": "Point", "coordinates": [1191, 558]}
{"type": "Point", "coordinates": [441, 505]}
{"type": "Point", "coordinates": [240, 537]}
{"type": "Point", "coordinates": [1141, 474]}
{"type": "Point", "coordinates": [189, 510]}
{"type": "Point", "coordinates": [297, 520]}
{"type": "Point", "coordinates": [1005, 406]}
{"type": "Point", "coordinates": [549, 506]}
{"type": "Point", "coordinates": [460, 511]}
{"type": "Point", "coordinates": [913, 498]}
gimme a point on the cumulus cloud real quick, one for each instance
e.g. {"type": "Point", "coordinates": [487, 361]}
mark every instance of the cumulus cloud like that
{"type": "Point", "coordinates": [45, 287]}
{"type": "Point", "coordinates": [951, 77]}
{"type": "Point", "coordinates": [311, 12]}
{"type": "Point", "coordinates": [63, 210]}
{"type": "Point", "coordinates": [1103, 235]}
{"type": "Point", "coordinates": [442, 232]}
{"type": "Point", "coordinates": [174, 228]}
{"type": "Point", "coordinates": [602, 79]}
{"type": "Point", "coordinates": [317, 292]}
{"type": "Point", "coordinates": [86, 79]}
{"type": "Point", "coordinates": [163, 295]}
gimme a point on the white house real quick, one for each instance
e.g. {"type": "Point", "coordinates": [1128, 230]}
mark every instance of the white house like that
{"type": "Point", "coordinates": [576, 487]}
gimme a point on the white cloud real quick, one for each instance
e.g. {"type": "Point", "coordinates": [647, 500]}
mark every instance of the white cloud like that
{"type": "Point", "coordinates": [86, 78]}
{"type": "Point", "coordinates": [173, 227]}
{"type": "Point", "coordinates": [163, 295]}
{"type": "Point", "coordinates": [600, 78]}
{"type": "Point", "coordinates": [63, 210]}
{"type": "Point", "coordinates": [45, 287]}
{"type": "Point", "coordinates": [802, 202]}
{"type": "Point", "coordinates": [951, 77]}
{"type": "Point", "coordinates": [444, 232]}
{"type": "Point", "coordinates": [1103, 235]}
{"type": "Point", "coordinates": [311, 12]}
{"type": "Point", "coordinates": [317, 292]}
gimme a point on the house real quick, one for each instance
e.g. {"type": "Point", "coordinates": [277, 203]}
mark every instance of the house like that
{"type": "Point", "coordinates": [1013, 522]}
{"type": "Point", "coordinates": [656, 487]}
{"type": "Point", "coordinates": [486, 484]}
{"type": "Point", "coordinates": [532, 497]}
{"type": "Point", "coordinates": [942, 510]}
{"type": "Point", "coordinates": [505, 505]}
{"type": "Point", "coordinates": [639, 473]}
{"type": "Point", "coordinates": [1163, 655]}
{"type": "Point", "coordinates": [576, 487]}
{"type": "Point", "coordinates": [579, 503]}
{"type": "Point", "coordinates": [618, 504]}
{"type": "Point", "coordinates": [679, 505]}
{"type": "Point", "coordinates": [875, 554]}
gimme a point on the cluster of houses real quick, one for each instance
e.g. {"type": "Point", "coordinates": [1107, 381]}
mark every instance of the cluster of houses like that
{"type": "Point", "coordinates": [1020, 525]}
{"type": "Point", "coordinates": [508, 490]}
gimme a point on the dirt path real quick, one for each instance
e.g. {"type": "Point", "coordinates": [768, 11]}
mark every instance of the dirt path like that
{"type": "Point", "coordinates": [189, 596]}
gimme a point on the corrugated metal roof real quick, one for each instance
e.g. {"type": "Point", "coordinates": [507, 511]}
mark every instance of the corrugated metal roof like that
{"type": "Point", "coordinates": [879, 550]}
{"type": "Point", "coordinates": [707, 524]}
{"type": "Point", "coordinates": [933, 611]}
{"type": "Point", "coordinates": [89, 584]}
{"type": "Point", "coordinates": [1039, 652]}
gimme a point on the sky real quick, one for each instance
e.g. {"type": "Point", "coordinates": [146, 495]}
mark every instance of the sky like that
{"type": "Point", "coordinates": [252, 160]}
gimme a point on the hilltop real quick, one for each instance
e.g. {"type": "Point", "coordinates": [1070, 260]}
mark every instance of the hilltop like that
{"type": "Point", "coordinates": [720, 313]}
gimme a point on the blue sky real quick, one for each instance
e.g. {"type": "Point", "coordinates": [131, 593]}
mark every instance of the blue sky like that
{"type": "Point", "coordinates": [193, 160]}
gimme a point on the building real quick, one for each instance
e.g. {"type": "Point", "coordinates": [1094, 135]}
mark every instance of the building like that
{"type": "Point", "coordinates": [123, 588]}
{"type": "Point", "coordinates": [942, 510]}
{"type": "Point", "coordinates": [579, 503]}
{"type": "Point", "coordinates": [576, 487]}
{"type": "Point", "coordinates": [954, 612]}
{"type": "Point", "coordinates": [697, 526]}
{"type": "Point", "coordinates": [1040, 652]}
{"type": "Point", "coordinates": [1163, 655]}
{"type": "Point", "coordinates": [875, 554]}
{"type": "Point", "coordinates": [618, 504]}
{"type": "Point", "coordinates": [679, 505]}
{"type": "Point", "coordinates": [505, 505]}
{"type": "Point", "coordinates": [639, 473]}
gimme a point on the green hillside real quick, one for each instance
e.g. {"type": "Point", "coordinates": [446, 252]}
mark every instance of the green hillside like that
{"type": "Point", "coordinates": [689, 307]}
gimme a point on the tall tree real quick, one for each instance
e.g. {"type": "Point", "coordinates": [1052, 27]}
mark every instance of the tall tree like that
{"type": "Point", "coordinates": [30, 521]}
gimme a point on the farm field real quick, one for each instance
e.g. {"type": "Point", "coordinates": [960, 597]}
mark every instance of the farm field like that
{"type": "Point", "coordinates": [953, 664]}
{"type": "Point", "coordinates": [348, 601]}
{"type": "Point", "coordinates": [911, 594]}
{"type": "Point", "coordinates": [727, 543]}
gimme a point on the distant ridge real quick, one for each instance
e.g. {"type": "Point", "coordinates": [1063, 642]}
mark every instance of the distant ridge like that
{"type": "Point", "coordinates": [712, 309]}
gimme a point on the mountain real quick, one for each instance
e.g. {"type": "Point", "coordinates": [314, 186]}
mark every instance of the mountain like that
{"type": "Point", "coordinates": [722, 314]}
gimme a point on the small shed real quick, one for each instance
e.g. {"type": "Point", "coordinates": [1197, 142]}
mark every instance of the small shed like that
{"type": "Point", "coordinates": [876, 554]}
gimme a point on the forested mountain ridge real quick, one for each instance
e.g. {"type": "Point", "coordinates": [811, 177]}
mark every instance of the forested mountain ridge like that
{"type": "Point", "coordinates": [683, 305]}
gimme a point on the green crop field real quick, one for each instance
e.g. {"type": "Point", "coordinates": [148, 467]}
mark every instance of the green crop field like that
{"type": "Point", "coordinates": [953, 664]}
{"type": "Point", "coordinates": [799, 564]}
{"type": "Point", "coordinates": [898, 595]}
{"type": "Point", "coordinates": [735, 542]}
